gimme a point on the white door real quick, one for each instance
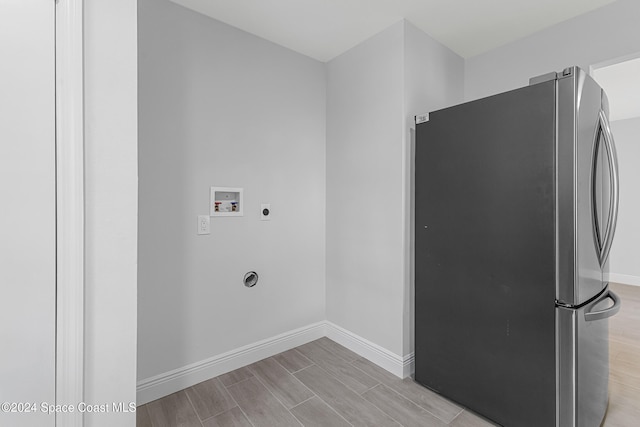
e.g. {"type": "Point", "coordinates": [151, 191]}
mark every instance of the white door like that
{"type": "Point", "coordinates": [27, 211]}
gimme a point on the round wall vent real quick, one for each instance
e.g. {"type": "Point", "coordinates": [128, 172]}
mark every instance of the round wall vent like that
{"type": "Point", "coordinates": [250, 279]}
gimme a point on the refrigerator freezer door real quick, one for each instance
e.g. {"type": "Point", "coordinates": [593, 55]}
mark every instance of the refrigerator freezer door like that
{"type": "Point", "coordinates": [583, 358]}
{"type": "Point", "coordinates": [484, 255]}
{"type": "Point", "coordinates": [580, 275]}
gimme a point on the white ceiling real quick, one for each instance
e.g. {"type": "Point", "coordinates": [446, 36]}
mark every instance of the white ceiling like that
{"type": "Point", "coordinates": [621, 82]}
{"type": "Point", "coordinates": [323, 29]}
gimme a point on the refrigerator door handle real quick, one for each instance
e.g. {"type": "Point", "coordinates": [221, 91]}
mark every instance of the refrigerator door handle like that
{"type": "Point", "coordinates": [606, 313]}
{"type": "Point", "coordinates": [612, 219]}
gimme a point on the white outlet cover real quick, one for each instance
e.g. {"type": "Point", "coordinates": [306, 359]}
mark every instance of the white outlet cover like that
{"type": "Point", "coordinates": [266, 217]}
{"type": "Point", "coordinates": [204, 224]}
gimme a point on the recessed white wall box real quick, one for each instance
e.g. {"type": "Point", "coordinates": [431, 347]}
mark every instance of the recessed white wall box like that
{"type": "Point", "coordinates": [265, 212]}
{"type": "Point", "coordinates": [226, 201]}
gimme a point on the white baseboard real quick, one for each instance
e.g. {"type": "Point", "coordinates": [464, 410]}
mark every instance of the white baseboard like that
{"type": "Point", "coordinates": [166, 383]}
{"type": "Point", "coordinates": [625, 279]}
{"type": "Point", "coordinates": [400, 366]}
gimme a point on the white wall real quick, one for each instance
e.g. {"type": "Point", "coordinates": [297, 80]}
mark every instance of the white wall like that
{"type": "Point", "coordinates": [625, 250]}
{"type": "Point", "coordinates": [111, 207]}
{"type": "Point", "coordinates": [365, 275]}
{"type": "Point", "coordinates": [599, 36]}
{"type": "Point", "coordinates": [221, 107]}
{"type": "Point", "coordinates": [373, 91]}
{"type": "Point", "coordinates": [434, 74]}
{"type": "Point", "coordinates": [28, 209]}
{"type": "Point", "coordinates": [603, 34]}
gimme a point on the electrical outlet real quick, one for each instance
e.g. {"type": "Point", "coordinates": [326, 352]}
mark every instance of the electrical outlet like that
{"type": "Point", "coordinates": [204, 224]}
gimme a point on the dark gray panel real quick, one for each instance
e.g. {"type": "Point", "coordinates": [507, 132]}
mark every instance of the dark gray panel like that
{"type": "Point", "coordinates": [485, 255]}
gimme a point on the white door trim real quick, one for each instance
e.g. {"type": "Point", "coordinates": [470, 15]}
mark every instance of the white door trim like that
{"type": "Point", "coordinates": [69, 210]}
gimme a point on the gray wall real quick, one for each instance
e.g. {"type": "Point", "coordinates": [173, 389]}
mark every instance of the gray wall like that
{"type": "Point", "coordinates": [626, 244]}
{"type": "Point", "coordinates": [373, 92]}
{"type": "Point", "coordinates": [434, 74]}
{"type": "Point", "coordinates": [364, 189]}
{"type": "Point", "coordinates": [599, 36]}
{"type": "Point", "coordinates": [221, 107]}
{"type": "Point", "coordinates": [111, 196]}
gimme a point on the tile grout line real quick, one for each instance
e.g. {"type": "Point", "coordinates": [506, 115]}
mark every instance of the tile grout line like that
{"type": "Point", "coordinates": [349, 364]}
{"type": "Point", "coordinates": [336, 354]}
{"type": "Point", "coordinates": [295, 372]}
{"type": "Point", "coordinates": [322, 400]}
{"type": "Point", "coordinates": [388, 415]}
{"type": "Point", "coordinates": [291, 374]}
{"type": "Point", "coordinates": [237, 404]}
{"type": "Point", "coordinates": [268, 388]}
{"type": "Point", "coordinates": [276, 397]}
{"type": "Point", "coordinates": [231, 385]}
{"type": "Point", "coordinates": [312, 363]}
{"type": "Point", "coordinates": [304, 401]}
{"type": "Point", "coordinates": [376, 406]}
{"type": "Point", "coordinates": [357, 394]}
{"type": "Point", "coordinates": [192, 406]}
{"type": "Point", "coordinates": [341, 382]}
{"type": "Point", "coordinates": [203, 420]}
{"type": "Point", "coordinates": [369, 389]}
{"type": "Point", "coordinates": [274, 358]}
{"type": "Point", "coordinates": [456, 417]}
{"type": "Point", "coordinates": [331, 407]}
{"type": "Point", "coordinates": [390, 387]}
{"type": "Point", "coordinates": [421, 407]}
{"type": "Point", "coordinates": [459, 413]}
{"type": "Point", "coordinates": [426, 409]}
{"type": "Point", "coordinates": [242, 367]}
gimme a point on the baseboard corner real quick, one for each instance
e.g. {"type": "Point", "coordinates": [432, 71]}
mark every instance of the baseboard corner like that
{"type": "Point", "coordinates": [397, 365]}
{"type": "Point", "coordinates": [161, 385]}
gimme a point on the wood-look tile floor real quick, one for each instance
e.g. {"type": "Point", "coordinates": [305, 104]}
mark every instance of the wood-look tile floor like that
{"type": "Point", "coordinates": [324, 384]}
{"type": "Point", "coordinates": [624, 360]}
{"type": "Point", "coordinates": [317, 384]}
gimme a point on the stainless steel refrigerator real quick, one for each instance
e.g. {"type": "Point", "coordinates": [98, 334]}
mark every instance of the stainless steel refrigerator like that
{"type": "Point", "coordinates": [516, 200]}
